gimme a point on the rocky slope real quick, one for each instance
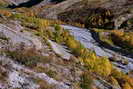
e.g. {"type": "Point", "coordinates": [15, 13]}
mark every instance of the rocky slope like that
{"type": "Point", "coordinates": [15, 2]}
{"type": "Point", "coordinates": [14, 75]}
{"type": "Point", "coordinates": [91, 13]}
{"type": "Point", "coordinates": [38, 53]}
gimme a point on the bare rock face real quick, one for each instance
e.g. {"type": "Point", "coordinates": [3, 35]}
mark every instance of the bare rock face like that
{"type": "Point", "coordinates": [60, 50]}
{"type": "Point", "coordinates": [14, 79]}
{"type": "Point", "coordinates": [58, 8]}
{"type": "Point", "coordinates": [16, 2]}
{"type": "Point", "coordinates": [14, 36]}
{"type": "Point", "coordinates": [27, 3]}
{"type": "Point", "coordinates": [18, 75]}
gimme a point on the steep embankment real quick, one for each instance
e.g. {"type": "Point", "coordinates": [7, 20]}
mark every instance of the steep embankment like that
{"type": "Point", "coordinates": [39, 53]}
{"type": "Point", "coordinates": [28, 62]}
{"type": "Point", "coordinates": [99, 13]}
{"type": "Point", "coordinates": [53, 11]}
{"type": "Point", "coordinates": [86, 38]}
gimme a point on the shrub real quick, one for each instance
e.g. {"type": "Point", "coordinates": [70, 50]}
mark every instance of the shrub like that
{"type": "Point", "coordinates": [43, 84]}
{"type": "Point", "coordinates": [100, 18]}
{"type": "Point", "coordinates": [57, 28]}
{"type": "Point", "coordinates": [127, 86]}
{"type": "Point", "coordinates": [101, 66]}
{"type": "Point", "coordinates": [86, 81]}
{"type": "Point", "coordinates": [6, 13]}
{"type": "Point", "coordinates": [124, 39]}
{"type": "Point", "coordinates": [71, 43]}
{"type": "Point", "coordinates": [113, 81]}
{"type": "Point", "coordinates": [58, 34]}
{"type": "Point", "coordinates": [116, 74]}
{"type": "Point", "coordinates": [51, 73]}
{"type": "Point", "coordinates": [27, 57]}
{"type": "Point", "coordinates": [3, 3]}
{"type": "Point", "coordinates": [3, 75]}
{"type": "Point", "coordinates": [128, 80]}
{"type": "Point", "coordinates": [124, 80]}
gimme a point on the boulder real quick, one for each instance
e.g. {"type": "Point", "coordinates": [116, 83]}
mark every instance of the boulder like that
{"type": "Point", "coordinates": [59, 50]}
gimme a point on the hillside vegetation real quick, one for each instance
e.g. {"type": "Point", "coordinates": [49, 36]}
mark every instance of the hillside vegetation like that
{"type": "Point", "coordinates": [39, 53]}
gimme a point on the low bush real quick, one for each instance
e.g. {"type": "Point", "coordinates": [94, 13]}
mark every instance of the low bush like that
{"type": "Point", "coordinates": [86, 81]}
{"type": "Point", "coordinates": [27, 57]}
{"type": "Point", "coordinates": [43, 84]}
{"type": "Point", "coordinates": [124, 39]}
{"type": "Point", "coordinates": [6, 13]}
{"type": "Point", "coordinates": [3, 3]}
{"type": "Point", "coordinates": [51, 73]}
{"type": "Point", "coordinates": [113, 81]}
{"type": "Point", "coordinates": [123, 79]}
{"type": "Point", "coordinates": [127, 86]}
{"type": "Point", "coordinates": [100, 18]}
